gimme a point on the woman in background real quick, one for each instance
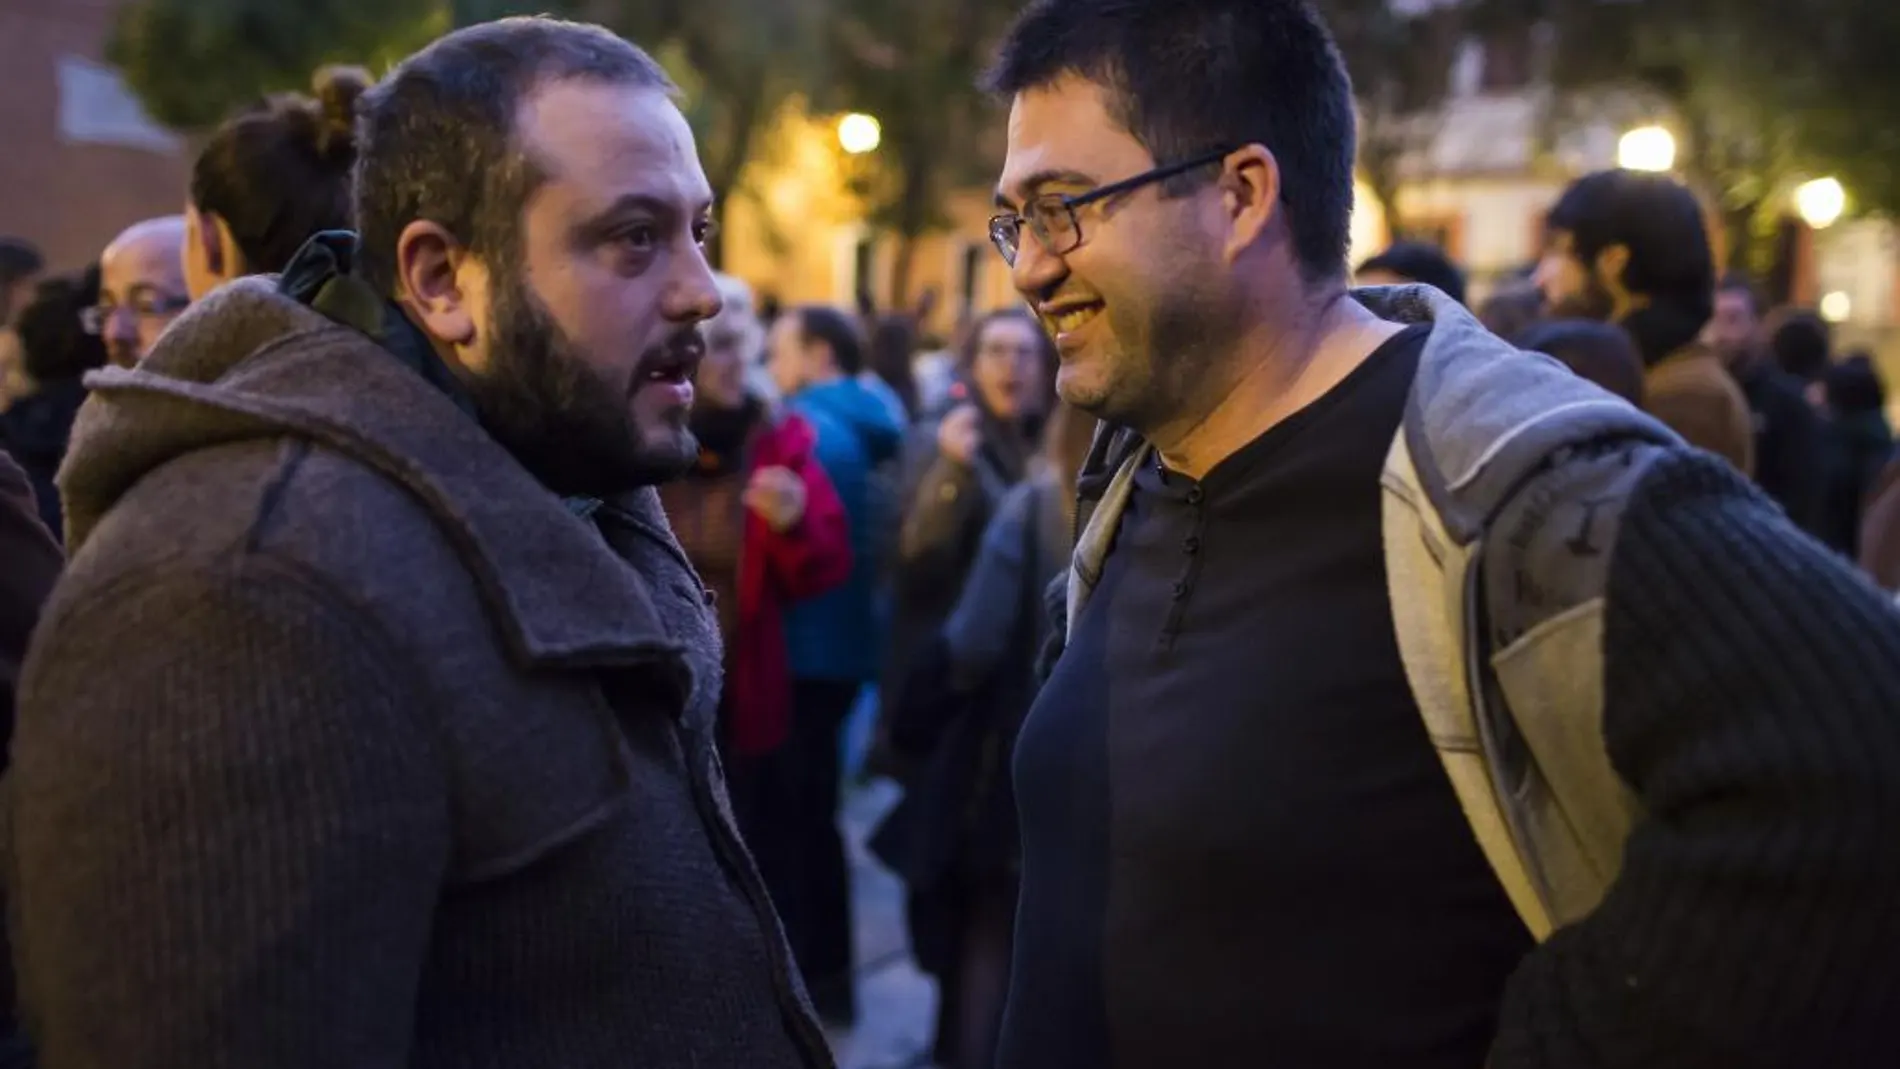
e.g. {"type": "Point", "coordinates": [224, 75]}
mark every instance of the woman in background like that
{"type": "Point", "coordinates": [51, 350]}
{"type": "Point", "coordinates": [956, 471]}
{"type": "Point", "coordinates": [269, 178]}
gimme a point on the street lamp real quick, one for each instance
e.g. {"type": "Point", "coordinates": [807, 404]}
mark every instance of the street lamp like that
{"type": "Point", "coordinates": [859, 133]}
{"type": "Point", "coordinates": [1836, 307]}
{"type": "Point", "coordinates": [1646, 148]}
{"type": "Point", "coordinates": [1820, 202]}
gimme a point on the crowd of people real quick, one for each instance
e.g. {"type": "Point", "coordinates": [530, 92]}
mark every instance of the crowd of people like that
{"type": "Point", "coordinates": [465, 592]}
{"type": "Point", "coordinates": [1765, 387]}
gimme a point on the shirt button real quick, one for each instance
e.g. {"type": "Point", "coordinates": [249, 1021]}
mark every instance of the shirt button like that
{"type": "Point", "coordinates": [1180, 591]}
{"type": "Point", "coordinates": [1194, 496]}
{"type": "Point", "coordinates": [1191, 546]}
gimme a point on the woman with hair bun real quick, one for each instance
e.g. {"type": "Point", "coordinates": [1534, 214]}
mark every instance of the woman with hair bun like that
{"type": "Point", "coordinates": [270, 177]}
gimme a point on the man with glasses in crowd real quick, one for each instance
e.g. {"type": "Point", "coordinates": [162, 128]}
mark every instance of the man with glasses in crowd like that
{"type": "Point", "coordinates": [1421, 704]}
{"type": "Point", "coordinates": [141, 289]}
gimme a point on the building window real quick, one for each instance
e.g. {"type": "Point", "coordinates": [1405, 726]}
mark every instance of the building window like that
{"type": "Point", "coordinates": [864, 271]}
{"type": "Point", "coordinates": [96, 108]}
{"type": "Point", "coordinates": [970, 278]}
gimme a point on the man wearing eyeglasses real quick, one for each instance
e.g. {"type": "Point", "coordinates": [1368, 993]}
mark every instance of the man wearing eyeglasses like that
{"type": "Point", "coordinates": [141, 288]}
{"type": "Point", "coordinates": [1421, 705]}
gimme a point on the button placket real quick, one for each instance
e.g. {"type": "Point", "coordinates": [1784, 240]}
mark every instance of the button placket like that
{"type": "Point", "coordinates": [1191, 550]}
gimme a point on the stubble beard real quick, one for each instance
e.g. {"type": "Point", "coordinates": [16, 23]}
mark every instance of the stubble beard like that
{"type": "Point", "coordinates": [1162, 357]}
{"type": "Point", "coordinates": [568, 427]}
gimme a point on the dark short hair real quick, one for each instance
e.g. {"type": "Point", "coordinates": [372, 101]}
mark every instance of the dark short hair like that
{"type": "Point", "coordinates": [893, 347]}
{"type": "Point", "coordinates": [1803, 344]}
{"type": "Point", "coordinates": [1661, 223]}
{"type": "Point", "coordinates": [1420, 261]}
{"type": "Point", "coordinates": [19, 258]}
{"type": "Point", "coordinates": [1599, 352]}
{"type": "Point", "coordinates": [54, 346]}
{"type": "Point", "coordinates": [1187, 77]}
{"type": "Point", "coordinates": [436, 140]}
{"type": "Point", "coordinates": [280, 172]}
{"type": "Point", "coordinates": [838, 331]}
{"type": "Point", "coordinates": [1854, 387]}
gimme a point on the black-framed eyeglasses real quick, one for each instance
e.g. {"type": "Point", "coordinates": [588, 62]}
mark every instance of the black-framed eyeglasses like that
{"type": "Point", "coordinates": [1051, 217]}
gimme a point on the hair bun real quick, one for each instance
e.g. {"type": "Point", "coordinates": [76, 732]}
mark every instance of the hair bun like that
{"type": "Point", "coordinates": [337, 90]}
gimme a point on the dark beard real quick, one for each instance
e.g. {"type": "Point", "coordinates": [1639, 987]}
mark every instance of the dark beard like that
{"type": "Point", "coordinates": [542, 402]}
{"type": "Point", "coordinates": [1594, 303]}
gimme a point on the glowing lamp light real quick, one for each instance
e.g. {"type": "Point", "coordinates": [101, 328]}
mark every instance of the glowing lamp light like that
{"type": "Point", "coordinates": [1820, 202]}
{"type": "Point", "coordinates": [1646, 148]}
{"type": "Point", "coordinates": [859, 133]}
{"type": "Point", "coordinates": [1836, 307]}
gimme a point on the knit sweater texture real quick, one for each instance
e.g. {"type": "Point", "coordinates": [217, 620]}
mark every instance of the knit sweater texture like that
{"type": "Point", "coordinates": [1752, 682]}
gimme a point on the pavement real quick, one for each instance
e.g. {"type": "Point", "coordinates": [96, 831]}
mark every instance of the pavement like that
{"type": "Point", "coordinates": [897, 1005]}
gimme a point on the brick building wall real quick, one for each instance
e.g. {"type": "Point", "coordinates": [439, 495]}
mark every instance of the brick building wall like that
{"type": "Point", "coordinates": [76, 164]}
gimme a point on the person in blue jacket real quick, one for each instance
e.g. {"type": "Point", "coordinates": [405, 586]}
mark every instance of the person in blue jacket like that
{"type": "Point", "coordinates": [815, 356]}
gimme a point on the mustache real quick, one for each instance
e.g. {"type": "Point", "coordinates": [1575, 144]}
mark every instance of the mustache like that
{"type": "Point", "coordinates": [683, 349]}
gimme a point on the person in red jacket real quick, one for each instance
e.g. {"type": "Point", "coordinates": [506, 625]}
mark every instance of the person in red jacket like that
{"type": "Point", "coordinates": [764, 527]}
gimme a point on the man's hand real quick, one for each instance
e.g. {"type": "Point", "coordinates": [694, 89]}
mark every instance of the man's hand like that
{"type": "Point", "coordinates": [960, 433]}
{"type": "Point", "coordinates": [778, 496]}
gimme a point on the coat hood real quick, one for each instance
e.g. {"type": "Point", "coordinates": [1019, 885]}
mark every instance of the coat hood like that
{"type": "Point", "coordinates": [253, 362]}
{"type": "Point", "coordinates": [849, 403]}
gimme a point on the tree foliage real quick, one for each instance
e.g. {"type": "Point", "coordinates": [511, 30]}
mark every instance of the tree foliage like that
{"type": "Point", "coordinates": [737, 62]}
{"type": "Point", "coordinates": [192, 62]}
{"type": "Point", "coordinates": [1761, 102]}
{"type": "Point", "coordinates": [1401, 60]}
{"type": "Point", "coordinates": [915, 66]}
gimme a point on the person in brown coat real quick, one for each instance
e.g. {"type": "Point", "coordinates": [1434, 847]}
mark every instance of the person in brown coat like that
{"type": "Point", "coordinates": [372, 722]}
{"type": "Point", "coordinates": [1633, 249]}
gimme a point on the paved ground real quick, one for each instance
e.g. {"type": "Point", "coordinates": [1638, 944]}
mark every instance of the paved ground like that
{"type": "Point", "coordinates": [896, 1002]}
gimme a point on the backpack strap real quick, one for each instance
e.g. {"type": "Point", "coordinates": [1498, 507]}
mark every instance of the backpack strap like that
{"type": "Point", "coordinates": [1502, 492]}
{"type": "Point", "coordinates": [1536, 636]}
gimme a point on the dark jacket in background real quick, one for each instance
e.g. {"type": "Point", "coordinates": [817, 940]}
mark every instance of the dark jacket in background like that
{"type": "Point", "coordinates": [946, 507]}
{"type": "Point", "coordinates": [1791, 443]}
{"type": "Point", "coordinates": [35, 430]}
{"type": "Point", "coordinates": [954, 834]}
{"type": "Point", "coordinates": [29, 566]}
{"type": "Point", "coordinates": [346, 743]}
{"type": "Point", "coordinates": [1862, 446]}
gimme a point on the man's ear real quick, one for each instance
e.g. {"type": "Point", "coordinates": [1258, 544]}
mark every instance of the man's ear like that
{"type": "Point", "coordinates": [430, 283]}
{"type": "Point", "coordinates": [1250, 196]}
{"type": "Point", "coordinates": [207, 231]}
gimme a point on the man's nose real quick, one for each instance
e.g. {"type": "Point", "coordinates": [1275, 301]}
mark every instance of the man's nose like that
{"type": "Point", "coordinates": [1036, 270]}
{"type": "Point", "coordinates": [693, 294]}
{"type": "Point", "coordinates": [122, 324]}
